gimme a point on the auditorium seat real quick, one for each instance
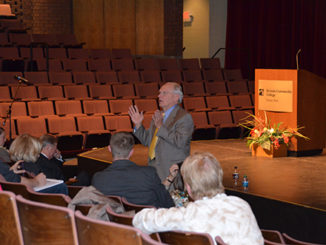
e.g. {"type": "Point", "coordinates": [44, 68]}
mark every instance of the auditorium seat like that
{"type": "Point", "coordinates": [33, 126]}
{"type": "Point", "coordinates": [125, 64]}
{"type": "Point", "coordinates": [237, 87]}
{"type": "Point", "coordinates": [53, 92]}
{"type": "Point", "coordinates": [96, 107]}
{"type": "Point", "coordinates": [13, 25]}
{"type": "Point", "coordinates": [121, 219]}
{"type": "Point", "coordinates": [150, 76]}
{"type": "Point", "coordinates": [147, 64]}
{"type": "Point", "coordinates": [10, 226]}
{"type": "Point", "coordinates": [36, 228]}
{"type": "Point", "coordinates": [125, 91]}
{"type": "Point", "coordinates": [27, 93]}
{"type": "Point", "coordinates": [37, 77]}
{"type": "Point", "coordinates": [76, 91]}
{"type": "Point", "coordinates": [52, 65]}
{"type": "Point", "coordinates": [8, 77]}
{"type": "Point", "coordinates": [195, 104]}
{"type": "Point", "coordinates": [290, 240]}
{"type": "Point", "coordinates": [40, 108]}
{"type": "Point", "coordinates": [215, 88]}
{"type": "Point", "coordinates": [93, 232]}
{"type": "Point", "coordinates": [193, 89]}
{"type": "Point", "coordinates": [147, 120]}
{"type": "Point", "coordinates": [147, 90]}
{"type": "Point", "coordinates": [78, 53]}
{"type": "Point", "coordinates": [68, 40]}
{"type": "Point", "coordinates": [146, 105]}
{"type": "Point", "coordinates": [120, 106]}
{"type": "Point", "coordinates": [9, 53]}
{"type": "Point", "coordinates": [20, 39]}
{"type": "Point", "coordinates": [6, 125]}
{"type": "Point", "coordinates": [171, 76]}
{"type": "Point", "coordinates": [133, 207]}
{"type": "Point", "coordinates": [93, 128]}
{"type": "Point", "coordinates": [189, 64]}
{"type": "Point", "coordinates": [18, 109]}
{"type": "Point", "coordinates": [4, 94]}
{"type": "Point", "coordinates": [192, 75]}
{"type": "Point", "coordinates": [118, 123]}
{"type": "Point", "coordinates": [222, 120]}
{"type": "Point", "coordinates": [128, 76]}
{"type": "Point", "coordinates": [120, 53]}
{"type": "Point", "coordinates": [202, 131]}
{"type": "Point", "coordinates": [16, 188]}
{"type": "Point", "coordinates": [106, 77]}
{"type": "Point", "coordinates": [37, 53]}
{"type": "Point", "coordinates": [4, 39]}
{"type": "Point", "coordinates": [219, 102]}
{"type": "Point", "coordinates": [241, 101]}
{"type": "Point", "coordinates": [68, 107]}
{"type": "Point", "coordinates": [183, 238]}
{"type": "Point", "coordinates": [232, 74]}
{"type": "Point", "coordinates": [239, 116]}
{"type": "Point", "coordinates": [56, 199]}
{"type": "Point", "coordinates": [272, 236]}
{"type": "Point", "coordinates": [210, 64]}
{"type": "Point", "coordinates": [213, 75]}
{"type": "Point", "coordinates": [83, 77]}
{"type": "Point", "coordinates": [99, 65]}
{"type": "Point", "coordinates": [57, 53]}
{"type": "Point", "coordinates": [74, 65]}
{"type": "Point", "coordinates": [168, 64]}
{"type": "Point", "coordinates": [100, 53]}
{"type": "Point", "coordinates": [60, 77]}
{"type": "Point", "coordinates": [100, 91]}
{"type": "Point", "coordinates": [45, 39]}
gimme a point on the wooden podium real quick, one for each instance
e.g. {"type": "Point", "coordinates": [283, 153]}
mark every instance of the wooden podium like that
{"type": "Point", "coordinates": [298, 99]}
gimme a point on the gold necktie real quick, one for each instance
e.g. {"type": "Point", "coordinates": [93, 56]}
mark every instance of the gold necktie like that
{"type": "Point", "coordinates": [151, 151]}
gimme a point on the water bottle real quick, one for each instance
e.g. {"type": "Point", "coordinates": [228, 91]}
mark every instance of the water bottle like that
{"type": "Point", "coordinates": [245, 183]}
{"type": "Point", "coordinates": [235, 175]}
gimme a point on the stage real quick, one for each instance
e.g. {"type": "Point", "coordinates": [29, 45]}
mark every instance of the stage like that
{"type": "Point", "coordinates": [283, 192]}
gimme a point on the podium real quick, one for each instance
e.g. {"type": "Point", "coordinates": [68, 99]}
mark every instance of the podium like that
{"type": "Point", "coordinates": [297, 98]}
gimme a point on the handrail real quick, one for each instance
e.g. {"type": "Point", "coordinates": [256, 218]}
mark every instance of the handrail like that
{"type": "Point", "coordinates": [217, 52]}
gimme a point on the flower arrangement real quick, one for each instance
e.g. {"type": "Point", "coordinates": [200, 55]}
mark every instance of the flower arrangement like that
{"type": "Point", "coordinates": [266, 136]}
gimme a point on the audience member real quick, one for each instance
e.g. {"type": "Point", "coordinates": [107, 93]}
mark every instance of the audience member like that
{"type": "Point", "coordinates": [212, 211]}
{"type": "Point", "coordinates": [50, 160]}
{"type": "Point", "coordinates": [169, 135]}
{"type": "Point", "coordinates": [26, 149]}
{"type": "Point", "coordinates": [138, 184]}
{"type": "Point", "coordinates": [4, 154]}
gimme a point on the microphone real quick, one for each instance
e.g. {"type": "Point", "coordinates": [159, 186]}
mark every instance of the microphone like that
{"type": "Point", "coordinates": [297, 58]}
{"type": "Point", "coordinates": [22, 79]}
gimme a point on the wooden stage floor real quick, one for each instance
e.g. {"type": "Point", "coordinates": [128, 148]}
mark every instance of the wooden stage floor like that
{"type": "Point", "coordinates": [298, 180]}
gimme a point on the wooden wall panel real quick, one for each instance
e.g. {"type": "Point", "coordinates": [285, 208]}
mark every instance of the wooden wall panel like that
{"type": "Point", "coordinates": [89, 22]}
{"type": "Point", "coordinates": [119, 24]}
{"type": "Point", "coordinates": [150, 27]}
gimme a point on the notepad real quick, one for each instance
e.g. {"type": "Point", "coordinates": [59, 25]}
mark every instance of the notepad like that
{"type": "Point", "coordinates": [49, 183]}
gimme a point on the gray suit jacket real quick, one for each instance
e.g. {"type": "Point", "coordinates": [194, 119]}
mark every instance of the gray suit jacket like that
{"type": "Point", "coordinates": [173, 144]}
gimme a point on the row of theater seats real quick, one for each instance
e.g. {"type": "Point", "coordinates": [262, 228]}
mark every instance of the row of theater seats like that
{"type": "Point", "coordinates": [86, 77]}
{"type": "Point", "coordinates": [89, 123]}
{"type": "Point", "coordinates": [111, 91]}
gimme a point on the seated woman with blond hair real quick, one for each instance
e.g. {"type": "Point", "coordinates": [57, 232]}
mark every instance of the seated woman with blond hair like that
{"type": "Point", "coordinates": [212, 211]}
{"type": "Point", "coordinates": [26, 149]}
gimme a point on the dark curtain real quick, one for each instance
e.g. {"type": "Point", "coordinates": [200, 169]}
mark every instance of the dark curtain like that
{"type": "Point", "coordinates": [268, 34]}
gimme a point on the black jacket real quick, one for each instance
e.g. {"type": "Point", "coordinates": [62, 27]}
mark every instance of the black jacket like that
{"type": "Point", "coordinates": [138, 184]}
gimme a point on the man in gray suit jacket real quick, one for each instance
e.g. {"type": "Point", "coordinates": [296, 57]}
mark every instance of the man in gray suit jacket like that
{"type": "Point", "coordinates": [169, 135]}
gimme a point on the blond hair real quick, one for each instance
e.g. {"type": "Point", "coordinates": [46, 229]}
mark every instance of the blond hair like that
{"type": "Point", "coordinates": [204, 175]}
{"type": "Point", "coordinates": [26, 148]}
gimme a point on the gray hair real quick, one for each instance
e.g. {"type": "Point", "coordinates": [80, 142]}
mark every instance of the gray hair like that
{"type": "Point", "coordinates": [177, 90]}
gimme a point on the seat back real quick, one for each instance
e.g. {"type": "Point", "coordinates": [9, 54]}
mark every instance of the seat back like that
{"type": "Point", "coordinates": [217, 102]}
{"type": "Point", "coordinates": [217, 87]}
{"type": "Point", "coordinates": [236, 87]}
{"type": "Point", "coordinates": [189, 64]}
{"type": "Point", "coordinates": [209, 64]}
{"type": "Point", "coordinates": [37, 77]}
{"type": "Point", "coordinates": [147, 90]}
{"type": "Point", "coordinates": [18, 109]}
{"type": "Point", "coordinates": [149, 64]}
{"type": "Point", "coordinates": [59, 125]}
{"type": "Point", "coordinates": [69, 107]}
{"type": "Point", "coordinates": [118, 123]}
{"type": "Point", "coordinates": [33, 126]}
{"type": "Point", "coordinates": [46, 224]}
{"type": "Point", "coordinates": [124, 64]}
{"type": "Point", "coordinates": [192, 75]}
{"type": "Point", "coordinates": [54, 199]}
{"type": "Point", "coordinates": [171, 76]}
{"type": "Point", "coordinates": [150, 76]}
{"type": "Point", "coordinates": [83, 77]}
{"type": "Point", "coordinates": [99, 65]}
{"type": "Point", "coordinates": [10, 232]}
{"type": "Point", "coordinates": [24, 92]}
{"type": "Point", "coordinates": [53, 92]}
{"type": "Point", "coordinates": [128, 76]}
{"type": "Point", "coordinates": [130, 206]}
{"type": "Point", "coordinates": [106, 77]}
{"type": "Point", "coordinates": [86, 124]}
{"type": "Point", "coordinates": [100, 91]}
{"type": "Point", "coordinates": [119, 218]}
{"type": "Point", "coordinates": [4, 93]}
{"type": "Point", "coordinates": [40, 108]}
{"type": "Point", "coordinates": [185, 238]}
{"type": "Point", "coordinates": [120, 106]}
{"type": "Point", "coordinates": [74, 65]}
{"type": "Point", "coordinates": [193, 103]}
{"type": "Point", "coordinates": [193, 88]}
{"type": "Point", "coordinates": [96, 107]}
{"type": "Point", "coordinates": [146, 105]}
{"type": "Point", "coordinates": [76, 91]}
{"type": "Point", "coordinates": [57, 77]}
{"type": "Point", "coordinates": [232, 74]}
{"type": "Point", "coordinates": [91, 231]}
{"type": "Point", "coordinates": [17, 188]}
{"type": "Point", "coordinates": [8, 77]}
{"type": "Point", "coordinates": [272, 236]}
{"type": "Point", "coordinates": [120, 53]}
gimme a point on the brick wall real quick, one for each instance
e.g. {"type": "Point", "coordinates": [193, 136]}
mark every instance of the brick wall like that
{"type": "Point", "coordinates": [173, 27]}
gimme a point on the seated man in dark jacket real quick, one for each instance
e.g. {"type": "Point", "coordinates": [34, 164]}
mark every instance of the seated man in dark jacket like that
{"type": "Point", "coordinates": [138, 184]}
{"type": "Point", "coordinates": [50, 161]}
